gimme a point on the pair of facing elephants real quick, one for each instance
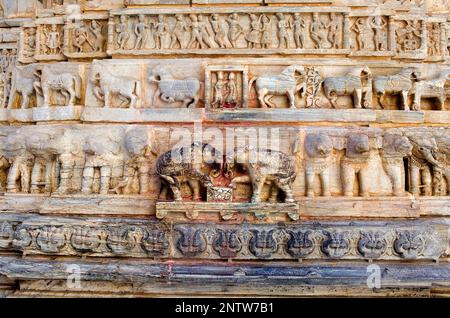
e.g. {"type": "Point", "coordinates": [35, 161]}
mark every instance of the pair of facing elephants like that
{"type": "Point", "coordinates": [260, 167]}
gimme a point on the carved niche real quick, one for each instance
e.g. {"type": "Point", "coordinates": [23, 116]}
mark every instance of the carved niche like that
{"type": "Point", "coordinates": [49, 39]}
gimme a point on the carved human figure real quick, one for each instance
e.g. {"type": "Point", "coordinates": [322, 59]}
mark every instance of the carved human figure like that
{"type": "Point", "coordinates": [21, 163]}
{"type": "Point", "coordinates": [362, 30]}
{"type": "Point", "coordinates": [408, 37]}
{"type": "Point", "coordinates": [179, 32]}
{"type": "Point", "coordinates": [263, 166]}
{"type": "Point", "coordinates": [335, 30]}
{"type": "Point", "coordinates": [193, 164]}
{"type": "Point", "coordinates": [315, 30]}
{"type": "Point", "coordinates": [283, 35]}
{"type": "Point", "coordinates": [422, 161]}
{"type": "Point", "coordinates": [123, 32]}
{"type": "Point", "coordinates": [378, 25]}
{"type": "Point", "coordinates": [29, 43]}
{"type": "Point", "coordinates": [319, 151]}
{"type": "Point", "coordinates": [354, 163]}
{"type": "Point", "coordinates": [161, 30]}
{"type": "Point", "coordinates": [103, 154]}
{"type": "Point", "coordinates": [434, 39]}
{"type": "Point", "coordinates": [235, 29]}
{"type": "Point", "coordinates": [137, 167]}
{"type": "Point", "coordinates": [266, 30]}
{"type": "Point", "coordinates": [107, 85]}
{"type": "Point", "coordinates": [81, 38]}
{"type": "Point", "coordinates": [171, 90]}
{"type": "Point", "coordinates": [231, 99]}
{"type": "Point", "coordinates": [254, 35]}
{"type": "Point", "coordinates": [219, 91]}
{"type": "Point", "coordinates": [53, 39]}
{"type": "Point", "coordinates": [299, 26]}
{"type": "Point", "coordinates": [394, 149]}
{"type": "Point", "coordinates": [206, 31]}
{"type": "Point", "coordinates": [140, 31]}
{"type": "Point", "coordinates": [291, 80]}
{"type": "Point", "coordinates": [196, 38]}
{"type": "Point", "coordinates": [220, 30]}
{"type": "Point", "coordinates": [99, 39]}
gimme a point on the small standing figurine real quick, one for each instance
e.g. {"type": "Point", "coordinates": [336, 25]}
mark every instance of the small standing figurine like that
{"type": "Point", "coordinates": [434, 37]}
{"type": "Point", "coordinates": [266, 38]}
{"type": "Point", "coordinates": [235, 29]}
{"type": "Point", "coordinates": [231, 100]}
{"type": "Point", "coordinates": [219, 91]}
{"type": "Point", "coordinates": [378, 25]}
{"type": "Point", "coordinates": [123, 33]}
{"type": "Point", "coordinates": [81, 38]}
{"type": "Point", "coordinates": [99, 39]}
{"type": "Point", "coordinates": [140, 30]}
{"type": "Point", "coordinates": [361, 29]}
{"type": "Point", "coordinates": [254, 36]}
{"type": "Point", "coordinates": [315, 29]}
{"type": "Point", "coordinates": [53, 40]}
{"type": "Point", "coordinates": [220, 31]}
{"type": "Point", "coordinates": [161, 29]}
{"type": "Point", "coordinates": [178, 34]}
{"type": "Point", "coordinates": [283, 35]}
{"type": "Point", "coordinates": [335, 30]}
{"type": "Point", "coordinates": [299, 30]}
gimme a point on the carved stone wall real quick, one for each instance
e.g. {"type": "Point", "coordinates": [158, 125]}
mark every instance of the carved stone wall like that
{"type": "Point", "coordinates": [144, 132]}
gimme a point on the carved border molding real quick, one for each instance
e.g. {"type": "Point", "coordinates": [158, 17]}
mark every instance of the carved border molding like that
{"type": "Point", "coordinates": [109, 237]}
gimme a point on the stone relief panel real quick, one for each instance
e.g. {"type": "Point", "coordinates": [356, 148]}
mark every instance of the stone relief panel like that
{"type": "Point", "coordinates": [311, 162]}
{"type": "Point", "coordinates": [325, 240]}
{"type": "Point", "coordinates": [49, 39]}
{"type": "Point", "coordinates": [86, 36]}
{"type": "Point", "coordinates": [141, 32]}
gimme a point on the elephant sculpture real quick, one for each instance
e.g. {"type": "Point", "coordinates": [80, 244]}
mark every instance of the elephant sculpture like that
{"type": "Point", "coordinates": [193, 164]}
{"type": "Point", "coordinates": [70, 160]}
{"type": "Point", "coordinates": [394, 149]}
{"type": "Point", "coordinates": [401, 83]}
{"type": "Point", "coordinates": [423, 161]}
{"type": "Point", "coordinates": [354, 163]}
{"type": "Point", "coordinates": [319, 151]}
{"type": "Point", "coordinates": [4, 165]}
{"type": "Point", "coordinates": [67, 84]}
{"type": "Point", "coordinates": [137, 168]}
{"type": "Point", "coordinates": [104, 158]}
{"type": "Point", "coordinates": [357, 83]}
{"type": "Point", "coordinates": [263, 166]}
{"type": "Point", "coordinates": [43, 173]}
{"type": "Point", "coordinates": [21, 160]}
{"type": "Point", "coordinates": [291, 80]}
{"type": "Point", "coordinates": [443, 171]}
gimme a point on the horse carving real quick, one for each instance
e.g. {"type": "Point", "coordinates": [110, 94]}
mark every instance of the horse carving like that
{"type": "Point", "coordinates": [291, 80]}
{"type": "Point", "coordinates": [434, 88]}
{"type": "Point", "coordinates": [357, 83]}
{"type": "Point", "coordinates": [107, 85]}
{"type": "Point", "coordinates": [22, 86]}
{"type": "Point", "coordinates": [172, 90]}
{"type": "Point", "coordinates": [67, 84]}
{"type": "Point", "coordinates": [401, 83]}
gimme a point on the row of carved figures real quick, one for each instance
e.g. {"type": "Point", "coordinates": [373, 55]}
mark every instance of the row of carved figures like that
{"type": "Point", "coordinates": [54, 86]}
{"type": "Point", "coordinates": [280, 31]}
{"type": "Point", "coordinates": [63, 163]}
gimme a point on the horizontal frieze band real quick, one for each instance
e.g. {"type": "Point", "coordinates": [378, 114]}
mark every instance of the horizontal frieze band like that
{"type": "Point", "coordinates": [103, 237]}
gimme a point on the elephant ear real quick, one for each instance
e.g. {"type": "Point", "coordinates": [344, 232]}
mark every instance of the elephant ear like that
{"type": "Point", "coordinates": [376, 142]}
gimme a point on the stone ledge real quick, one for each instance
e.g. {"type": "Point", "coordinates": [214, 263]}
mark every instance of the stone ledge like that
{"type": "Point", "coordinates": [172, 278]}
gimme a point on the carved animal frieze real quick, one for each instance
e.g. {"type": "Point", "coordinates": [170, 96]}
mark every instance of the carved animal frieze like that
{"type": "Point", "coordinates": [372, 244]}
{"type": "Point", "coordinates": [336, 244]}
{"type": "Point", "coordinates": [409, 244]}
{"type": "Point", "coordinates": [263, 166]}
